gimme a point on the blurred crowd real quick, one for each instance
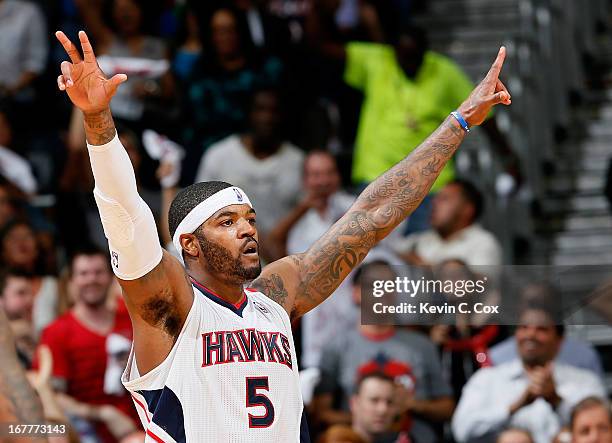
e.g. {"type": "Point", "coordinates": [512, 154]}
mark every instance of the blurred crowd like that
{"type": "Point", "coordinates": [301, 103]}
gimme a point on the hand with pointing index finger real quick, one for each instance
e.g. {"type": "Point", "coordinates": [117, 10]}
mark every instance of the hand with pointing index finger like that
{"type": "Point", "coordinates": [83, 80]}
{"type": "Point", "coordinates": [489, 92]}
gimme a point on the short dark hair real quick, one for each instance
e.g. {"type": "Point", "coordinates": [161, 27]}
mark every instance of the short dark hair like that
{"type": "Point", "coordinates": [588, 403]}
{"type": "Point", "coordinates": [189, 198]}
{"type": "Point", "coordinates": [5, 274]}
{"type": "Point", "coordinates": [87, 250]}
{"type": "Point", "coordinates": [471, 194]}
{"type": "Point", "coordinates": [378, 375]}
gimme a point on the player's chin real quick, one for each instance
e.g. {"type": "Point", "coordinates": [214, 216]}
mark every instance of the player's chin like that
{"type": "Point", "coordinates": [251, 266]}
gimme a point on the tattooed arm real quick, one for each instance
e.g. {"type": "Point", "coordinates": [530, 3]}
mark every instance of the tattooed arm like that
{"type": "Point", "coordinates": [157, 293]}
{"type": "Point", "coordinates": [301, 282]}
{"type": "Point", "coordinates": [18, 401]}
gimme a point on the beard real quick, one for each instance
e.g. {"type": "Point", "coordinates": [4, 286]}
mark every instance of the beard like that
{"type": "Point", "coordinates": [219, 261]}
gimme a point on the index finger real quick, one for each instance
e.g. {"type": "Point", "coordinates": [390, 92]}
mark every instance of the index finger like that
{"type": "Point", "coordinates": [88, 52]}
{"type": "Point", "coordinates": [496, 67]}
{"type": "Point", "coordinates": [70, 49]}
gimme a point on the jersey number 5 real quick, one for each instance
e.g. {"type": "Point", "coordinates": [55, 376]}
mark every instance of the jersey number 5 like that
{"type": "Point", "coordinates": [253, 398]}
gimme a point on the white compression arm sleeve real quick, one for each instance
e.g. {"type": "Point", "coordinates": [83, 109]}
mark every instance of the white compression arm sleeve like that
{"type": "Point", "coordinates": [128, 222]}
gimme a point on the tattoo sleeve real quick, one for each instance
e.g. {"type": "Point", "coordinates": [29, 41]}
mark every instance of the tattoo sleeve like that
{"type": "Point", "coordinates": [99, 127]}
{"type": "Point", "coordinates": [18, 401]}
{"type": "Point", "coordinates": [273, 286]}
{"type": "Point", "coordinates": [378, 210]}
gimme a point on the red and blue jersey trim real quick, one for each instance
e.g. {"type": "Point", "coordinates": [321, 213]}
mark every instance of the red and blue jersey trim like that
{"type": "Point", "coordinates": [236, 308]}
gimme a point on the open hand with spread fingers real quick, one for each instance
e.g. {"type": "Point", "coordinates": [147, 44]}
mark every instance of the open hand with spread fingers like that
{"type": "Point", "coordinates": [489, 92]}
{"type": "Point", "coordinates": [83, 80]}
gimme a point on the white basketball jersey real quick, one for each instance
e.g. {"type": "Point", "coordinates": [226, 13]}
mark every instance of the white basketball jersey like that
{"type": "Point", "coordinates": [231, 376]}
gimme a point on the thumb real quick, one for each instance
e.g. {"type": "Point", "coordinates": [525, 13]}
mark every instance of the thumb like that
{"type": "Point", "coordinates": [497, 98]}
{"type": "Point", "coordinates": [116, 80]}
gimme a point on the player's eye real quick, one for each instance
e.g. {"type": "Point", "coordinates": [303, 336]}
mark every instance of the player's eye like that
{"type": "Point", "coordinates": [228, 222]}
{"type": "Point", "coordinates": [252, 221]}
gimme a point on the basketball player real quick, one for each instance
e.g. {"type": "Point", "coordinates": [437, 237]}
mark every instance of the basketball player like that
{"type": "Point", "coordinates": [213, 361]}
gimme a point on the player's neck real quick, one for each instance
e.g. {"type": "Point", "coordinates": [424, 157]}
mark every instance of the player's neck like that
{"type": "Point", "coordinates": [231, 292]}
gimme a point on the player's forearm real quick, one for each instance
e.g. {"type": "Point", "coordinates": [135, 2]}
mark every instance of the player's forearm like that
{"type": "Point", "coordinates": [111, 166]}
{"type": "Point", "coordinates": [395, 194]}
{"type": "Point", "coordinates": [128, 222]}
{"type": "Point", "coordinates": [18, 401]}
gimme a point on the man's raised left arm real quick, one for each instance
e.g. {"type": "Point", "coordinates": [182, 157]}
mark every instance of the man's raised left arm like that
{"type": "Point", "coordinates": [301, 282]}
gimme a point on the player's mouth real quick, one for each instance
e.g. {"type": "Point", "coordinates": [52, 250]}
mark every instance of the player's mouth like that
{"type": "Point", "coordinates": [250, 248]}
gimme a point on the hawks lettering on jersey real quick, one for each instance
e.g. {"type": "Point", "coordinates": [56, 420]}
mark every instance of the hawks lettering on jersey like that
{"type": "Point", "coordinates": [245, 345]}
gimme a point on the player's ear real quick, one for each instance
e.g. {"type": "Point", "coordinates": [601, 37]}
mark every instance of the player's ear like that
{"type": "Point", "coordinates": [190, 244]}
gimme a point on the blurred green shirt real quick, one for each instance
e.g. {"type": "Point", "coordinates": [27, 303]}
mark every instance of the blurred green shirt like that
{"type": "Point", "coordinates": [398, 113]}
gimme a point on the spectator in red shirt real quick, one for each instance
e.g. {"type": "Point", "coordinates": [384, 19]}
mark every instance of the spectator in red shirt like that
{"type": "Point", "coordinates": [89, 343]}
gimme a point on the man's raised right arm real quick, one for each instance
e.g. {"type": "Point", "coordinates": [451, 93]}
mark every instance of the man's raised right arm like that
{"type": "Point", "coordinates": [153, 282]}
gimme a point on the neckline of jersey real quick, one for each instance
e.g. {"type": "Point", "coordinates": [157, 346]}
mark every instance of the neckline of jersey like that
{"type": "Point", "coordinates": [237, 307]}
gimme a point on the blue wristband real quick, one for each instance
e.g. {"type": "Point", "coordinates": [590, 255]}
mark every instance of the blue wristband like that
{"type": "Point", "coordinates": [461, 121]}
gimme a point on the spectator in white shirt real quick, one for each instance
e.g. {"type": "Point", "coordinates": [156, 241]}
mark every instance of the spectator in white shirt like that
{"type": "Point", "coordinates": [455, 233]}
{"type": "Point", "coordinates": [260, 161]}
{"type": "Point", "coordinates": [573, 350]}
{"type": "Point", "coordinates": [322, 205]}
{"type": "Point", "coordinates": [531, 392]}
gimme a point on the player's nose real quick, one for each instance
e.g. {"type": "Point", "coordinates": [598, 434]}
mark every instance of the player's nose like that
{"type": "Point", "coordinates": [246, 229]}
